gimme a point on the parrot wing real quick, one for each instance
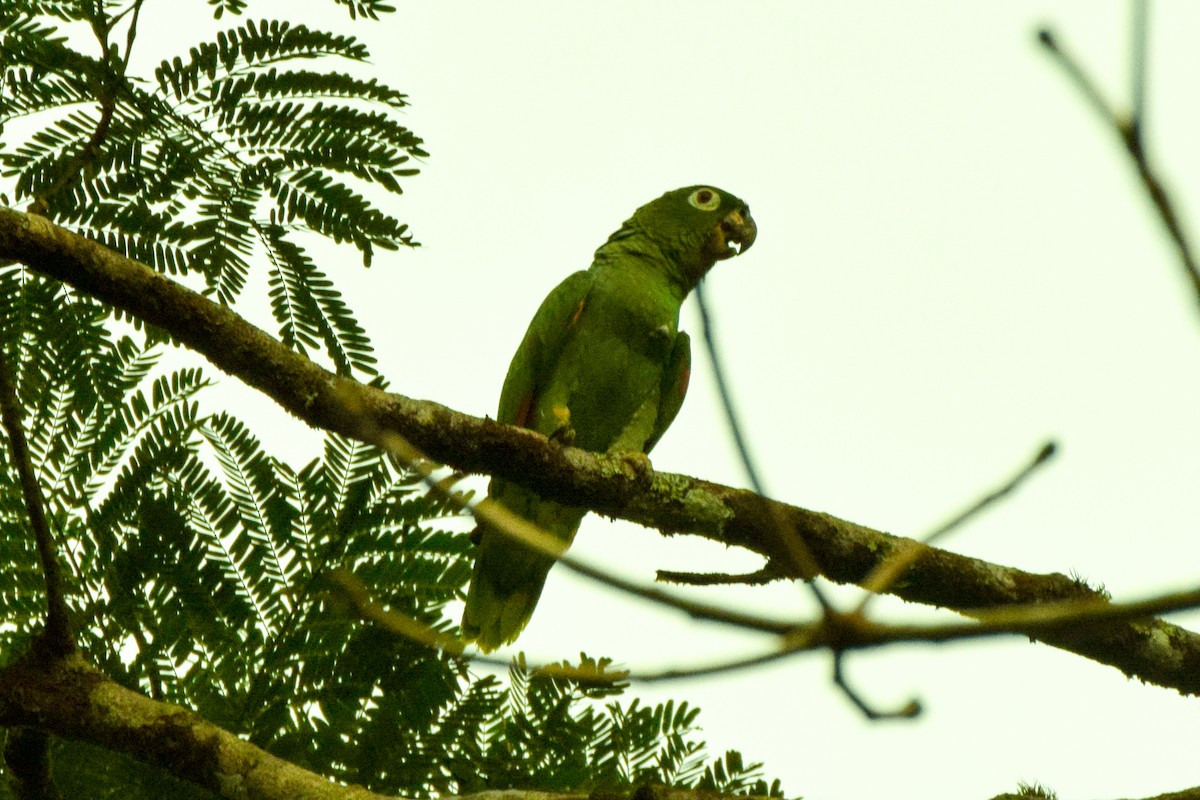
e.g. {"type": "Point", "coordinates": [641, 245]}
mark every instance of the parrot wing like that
{"type": "Point", "coordinates": [674, 387]}
{"type": "Point", "coordinates": [535, 359]}
{"type": "Point", "coordinates": [508, 578]}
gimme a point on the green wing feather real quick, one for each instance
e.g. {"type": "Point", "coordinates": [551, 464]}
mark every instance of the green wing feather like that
{"type": "Point", "coordinates": [541, 348]}
{"type": "Point", "coordinates": [508, 578]}
{"type": "Point", "coordinates": [674, 387]}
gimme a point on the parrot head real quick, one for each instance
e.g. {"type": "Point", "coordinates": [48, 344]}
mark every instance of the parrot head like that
{"type": "Point", "coordinates": [695, 227]}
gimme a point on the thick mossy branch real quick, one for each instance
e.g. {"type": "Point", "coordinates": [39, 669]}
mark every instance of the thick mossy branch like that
{"type": "Point", "coordinates": [75, 700]}
{"type": "Point", "coordinates": [1152, 650]}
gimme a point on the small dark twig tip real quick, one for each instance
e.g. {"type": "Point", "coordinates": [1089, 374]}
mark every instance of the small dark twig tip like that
{"type": "Point", "coordinates": [909, 710]}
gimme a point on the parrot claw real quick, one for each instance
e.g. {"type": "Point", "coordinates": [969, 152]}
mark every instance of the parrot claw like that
{"type": "Point", "coordinates": [564, 434]}
{"type": "Point", "coordinates": [638, 463]}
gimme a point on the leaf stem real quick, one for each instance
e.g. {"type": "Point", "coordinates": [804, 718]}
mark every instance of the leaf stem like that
{"type": "Point", "coordinates": [57, 638]}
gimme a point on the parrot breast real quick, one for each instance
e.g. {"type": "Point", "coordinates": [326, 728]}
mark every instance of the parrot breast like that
{"type": "Point", "coordinates": [611, 370]}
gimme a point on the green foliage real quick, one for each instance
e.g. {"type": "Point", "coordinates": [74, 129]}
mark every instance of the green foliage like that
{"type": "Point", "coordinates": [195, 559]}
{"type": "Point", "coordinates": [554, 734]}
{"type": "Point", "coordinates": [1035, 790]}
{"type": "Point", "coordinates": [232, 151]}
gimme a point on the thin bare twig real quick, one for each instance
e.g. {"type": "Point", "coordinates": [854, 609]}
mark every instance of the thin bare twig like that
{"type": "Point", "coordinates": [909, 710]}
{"type": "Point", "coordinates": [1129, 130]}
{"type": "Point", "coordinates": [845, 632]}
{"type": "Point", "coordinates": [759, 577]}
{"type": "Point", "coordinates": [883, 576]}
{"type": "Point", "coordinates": [1137, 88]}
{"type": "Point", "coordinates": [351, 590]}
{"type": "Point", "coordinates": [794, 547]}
{"type": "Point", "coordinates": [798, 552]}
{"type": "Point", "coordinates": [731, 415]}
{"type": "Point", "coordinates": [131, 33]}
{"type": "Point", "coordinates": [57, 639]}
{"type": "Point", "coordinates": [838, 632]}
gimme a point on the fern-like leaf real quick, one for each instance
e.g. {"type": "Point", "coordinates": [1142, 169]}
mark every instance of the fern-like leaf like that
{"type": "Point", "coordinates": [309, 311]}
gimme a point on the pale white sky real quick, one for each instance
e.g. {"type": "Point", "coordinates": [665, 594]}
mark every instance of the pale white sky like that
{"type": "Point", "coordinates": [954, 263]}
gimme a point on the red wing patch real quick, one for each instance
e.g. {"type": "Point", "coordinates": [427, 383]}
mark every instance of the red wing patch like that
{"type": "Point", "coordinates": [578, 313]}
{"type": "Point", "coordinates": [681, 385]}
{"type": "Point", "coordinates": [523, 410]}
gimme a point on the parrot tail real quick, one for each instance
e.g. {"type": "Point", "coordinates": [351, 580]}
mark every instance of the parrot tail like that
{"type": "Point", "coordinates": [508, 577]}
{"type": "Point", "coordinates": [505, 588]}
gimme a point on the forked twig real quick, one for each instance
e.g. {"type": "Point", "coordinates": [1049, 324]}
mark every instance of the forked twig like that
{"type": "Point", "coordinates": [883, 576]}
{"type": "Point", "coordinates": [907, 711]}
{"type": "Point", "coordinates": [793, 546]}
{"type": "Point", "coordinates": [1131, 129]}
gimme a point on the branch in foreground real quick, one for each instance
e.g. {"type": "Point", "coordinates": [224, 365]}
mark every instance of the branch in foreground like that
{"type": "Point", "coordinates": [1154, 651]}
{"type": "Point", "coordinates": [1043, 621]}
{"type": "Point", "coordinates": [73, 699]}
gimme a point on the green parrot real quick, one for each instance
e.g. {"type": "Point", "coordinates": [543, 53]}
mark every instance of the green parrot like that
{"type": "Point", "coordinates": [603, 366]}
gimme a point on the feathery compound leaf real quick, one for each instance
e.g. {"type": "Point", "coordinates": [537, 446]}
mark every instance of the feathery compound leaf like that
{"type": "Point", "coordinates": [162, 256]}
{"type": "Point", "coordinates": [251, 45]}
{"type": "Point", "coordinates": [226, 244]}
{"type": "Point", "coordinates": [187, 173]}
{"type": "Point", "coordinates": [30, 42]}
{"type": "Point", "coordinates": [230, 93]}
{"type": "Point", "coordinates": [62, 9]}
{"type": "Point", "coordinates": [371, 9]}
{"type": "Point", "coordinates": [25, 92]}
{"type": "Point", "coordinates": [234, 7]}
{"type": "Point", "coordinates": [264, 513]}
{"type": "Point", "coordinates": [310, 310]}
{"type": "Point", "coordinates": [332, 209]}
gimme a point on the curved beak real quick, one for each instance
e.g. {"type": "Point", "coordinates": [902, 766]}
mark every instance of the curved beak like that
{"type": "Point", "coordinates": [737, 232]}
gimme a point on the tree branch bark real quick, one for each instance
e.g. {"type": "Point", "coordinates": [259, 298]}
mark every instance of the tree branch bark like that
{"type": "Point", "coordinates": [1152, 650]}
{"type": "Point", "coordinates": [27, 757]}
{"type": "Point", "coordinates": [73, 699]}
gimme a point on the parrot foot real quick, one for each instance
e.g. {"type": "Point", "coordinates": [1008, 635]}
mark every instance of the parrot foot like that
{"type": "Point", "coordinates": [564, 434]}
{"type": "Point", "coordinates": [637, 462]}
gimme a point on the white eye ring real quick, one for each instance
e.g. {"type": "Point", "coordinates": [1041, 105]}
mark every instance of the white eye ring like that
{"type": "Point", "coordinates": [705, 199]}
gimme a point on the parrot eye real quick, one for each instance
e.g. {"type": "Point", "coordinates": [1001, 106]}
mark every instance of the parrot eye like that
{"type": "Point", "coordinates": [705, 199]}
